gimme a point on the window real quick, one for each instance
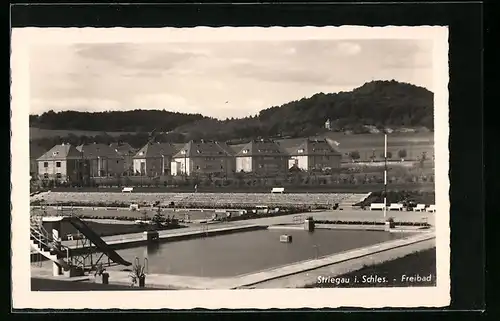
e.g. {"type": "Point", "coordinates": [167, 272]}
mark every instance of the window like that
{"type": "Point", "coordinates": [301, 151]}
{"type": "Point", "coordinates": [58, 175]}
{"type": "Point", "coordinates": [58, 164]}
{"type": "Point", "coordinates": [45, 164]}
{"type": "Point", "coordinates": [45, 175]}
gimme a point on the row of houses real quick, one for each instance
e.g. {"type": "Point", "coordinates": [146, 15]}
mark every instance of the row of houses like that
{"type": "Point", "coordinates": [69, 163]}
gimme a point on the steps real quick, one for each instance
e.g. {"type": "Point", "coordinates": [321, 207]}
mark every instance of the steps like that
{"type": "Point", "coordinates": [54, 256]}
{"type": "Point", "coordinates": [40, 241]}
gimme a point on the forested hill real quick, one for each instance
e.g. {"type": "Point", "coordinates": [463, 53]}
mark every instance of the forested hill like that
{"type": "Point", "coordinates": [113, 121]}
{"type": "Point", "coordinates": [377, 103]}
{"type": "Point", "coordinates": [381, 104]}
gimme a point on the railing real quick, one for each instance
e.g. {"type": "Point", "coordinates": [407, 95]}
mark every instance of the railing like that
{"type": "Point", "coordinates": [41, 235]}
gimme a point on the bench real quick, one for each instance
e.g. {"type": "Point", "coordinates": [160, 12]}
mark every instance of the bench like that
{"type": "Point", "coordinates": [377, 206]}
{"type": "Point", "coordinates": [277, 190]}
{"type": "Point", "coordinates": [396, 207]}
{"type": "Point", "coordinates": [127, 189]}
{"type": "Point", "coordinates": [419, 208]}
{"type": "Point", "coordinates": [431, 209]}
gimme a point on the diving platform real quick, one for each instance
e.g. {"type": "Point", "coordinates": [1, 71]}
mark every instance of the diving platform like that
{"type": "Point", "coordinates": [69, 261]}
{"type": "Point", "coordinates": [56, 218]}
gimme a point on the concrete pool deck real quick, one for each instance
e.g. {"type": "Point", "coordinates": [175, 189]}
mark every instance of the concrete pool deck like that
{"type": "Point", "coordinates": [293, 275]}
{"type": "Point", "coordinates": [194, 230]}
{"type": "Point", "coordinates": [345, 214]}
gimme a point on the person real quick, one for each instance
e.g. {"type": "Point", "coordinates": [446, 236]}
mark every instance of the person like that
{"type": "Point", "coordinates": [196, 188]}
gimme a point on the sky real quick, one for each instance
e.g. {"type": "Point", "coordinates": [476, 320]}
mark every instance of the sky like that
{"type": "Point", "coordinates": [216, 79]}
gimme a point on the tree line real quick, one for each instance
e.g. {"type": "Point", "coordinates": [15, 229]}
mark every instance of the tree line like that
{"type": "Point", "coordinates": [382, 104]}
{"type": "Point", "coordinates": [113, 121]}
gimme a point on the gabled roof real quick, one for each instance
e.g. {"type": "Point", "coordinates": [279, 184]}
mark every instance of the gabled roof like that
{"type": "Point", "coordinates": [36, 150]}
{"type": "Point", "coordinates": [204, 149]}
{"type": "Point", "coordinates": [61, 152]}
{"type": "Point", "coordinates": [151, 150]}
{"type": "Point", "coordinates": [123, 149]}
{"type": "Point", "coordinates": [262, 148]}
{"type": "Point", "coordinates": [236, 148]}
{"type": "Point", "coordinates": [315, 147]}
{"type": "Point", "coordinates": [91, 151]}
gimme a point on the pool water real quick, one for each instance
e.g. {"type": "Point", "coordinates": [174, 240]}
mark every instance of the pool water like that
{"type": "Point", "coordinates": [248, 252]}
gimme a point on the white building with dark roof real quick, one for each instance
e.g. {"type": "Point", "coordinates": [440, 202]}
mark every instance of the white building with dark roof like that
{"type": "Point", "coordinates": [154, 159]}
{"type": "Point", "coordinates": [203, 157]}
{"type": "Point", "coordinates": [63, 163]}
{"type": "Point", "coordinates": [315, 154]}
{"type": "Point", "coordinates": [263, 157]}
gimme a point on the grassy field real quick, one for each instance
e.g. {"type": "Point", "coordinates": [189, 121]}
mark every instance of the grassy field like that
{"type": "Point", "coordinates": [36, 133]}
{"type": "Point", "coordinates": [365, 144]}
{"type": "Point", "coordinates": [421, 263]}
{"type": "Point", "coordinates": [348, 188]}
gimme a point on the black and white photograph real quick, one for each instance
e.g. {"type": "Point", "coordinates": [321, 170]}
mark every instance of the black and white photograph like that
{"type": "Point", "coordinates": [230, 167]}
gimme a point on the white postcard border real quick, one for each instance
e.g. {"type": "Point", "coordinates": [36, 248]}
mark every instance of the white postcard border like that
{"type": "Point", "coordinates": [23, 297]}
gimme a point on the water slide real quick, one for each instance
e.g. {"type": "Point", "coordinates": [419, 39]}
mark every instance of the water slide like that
{"type": "Point", "coordinates": [98, 241]}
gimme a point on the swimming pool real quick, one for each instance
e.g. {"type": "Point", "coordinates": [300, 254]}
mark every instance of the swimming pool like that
{"type": "Point", "coordinates": [248, 252]}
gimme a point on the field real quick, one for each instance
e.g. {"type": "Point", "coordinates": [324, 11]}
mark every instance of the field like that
{"type": "Point", "coordinates": [421, 263]}
{"type": "Point", "coordinates": [36, 133]}
{"type": "Point", "coordinates": [366, 144]}
{"type": "Point", "coordinates": [365, 188]}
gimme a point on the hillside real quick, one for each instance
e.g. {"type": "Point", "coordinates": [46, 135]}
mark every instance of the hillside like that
{"type": "Point", "coordinates": [377, 105]}
{"type": "Point", "coordinates": [113, 121]}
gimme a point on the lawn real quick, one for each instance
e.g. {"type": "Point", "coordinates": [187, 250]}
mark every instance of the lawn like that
{"type": "Point", "coordinates": [36, 133]}
{"type": "Point", "coordinates": [421, 263]}
{"type": "Point", "coordinates": [340, 188]}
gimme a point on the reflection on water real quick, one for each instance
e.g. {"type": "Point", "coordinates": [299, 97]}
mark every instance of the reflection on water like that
{"type": "Point", "coordinates": [248, 252]}
{"type": "Point", "coordinates": [152, 248]}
